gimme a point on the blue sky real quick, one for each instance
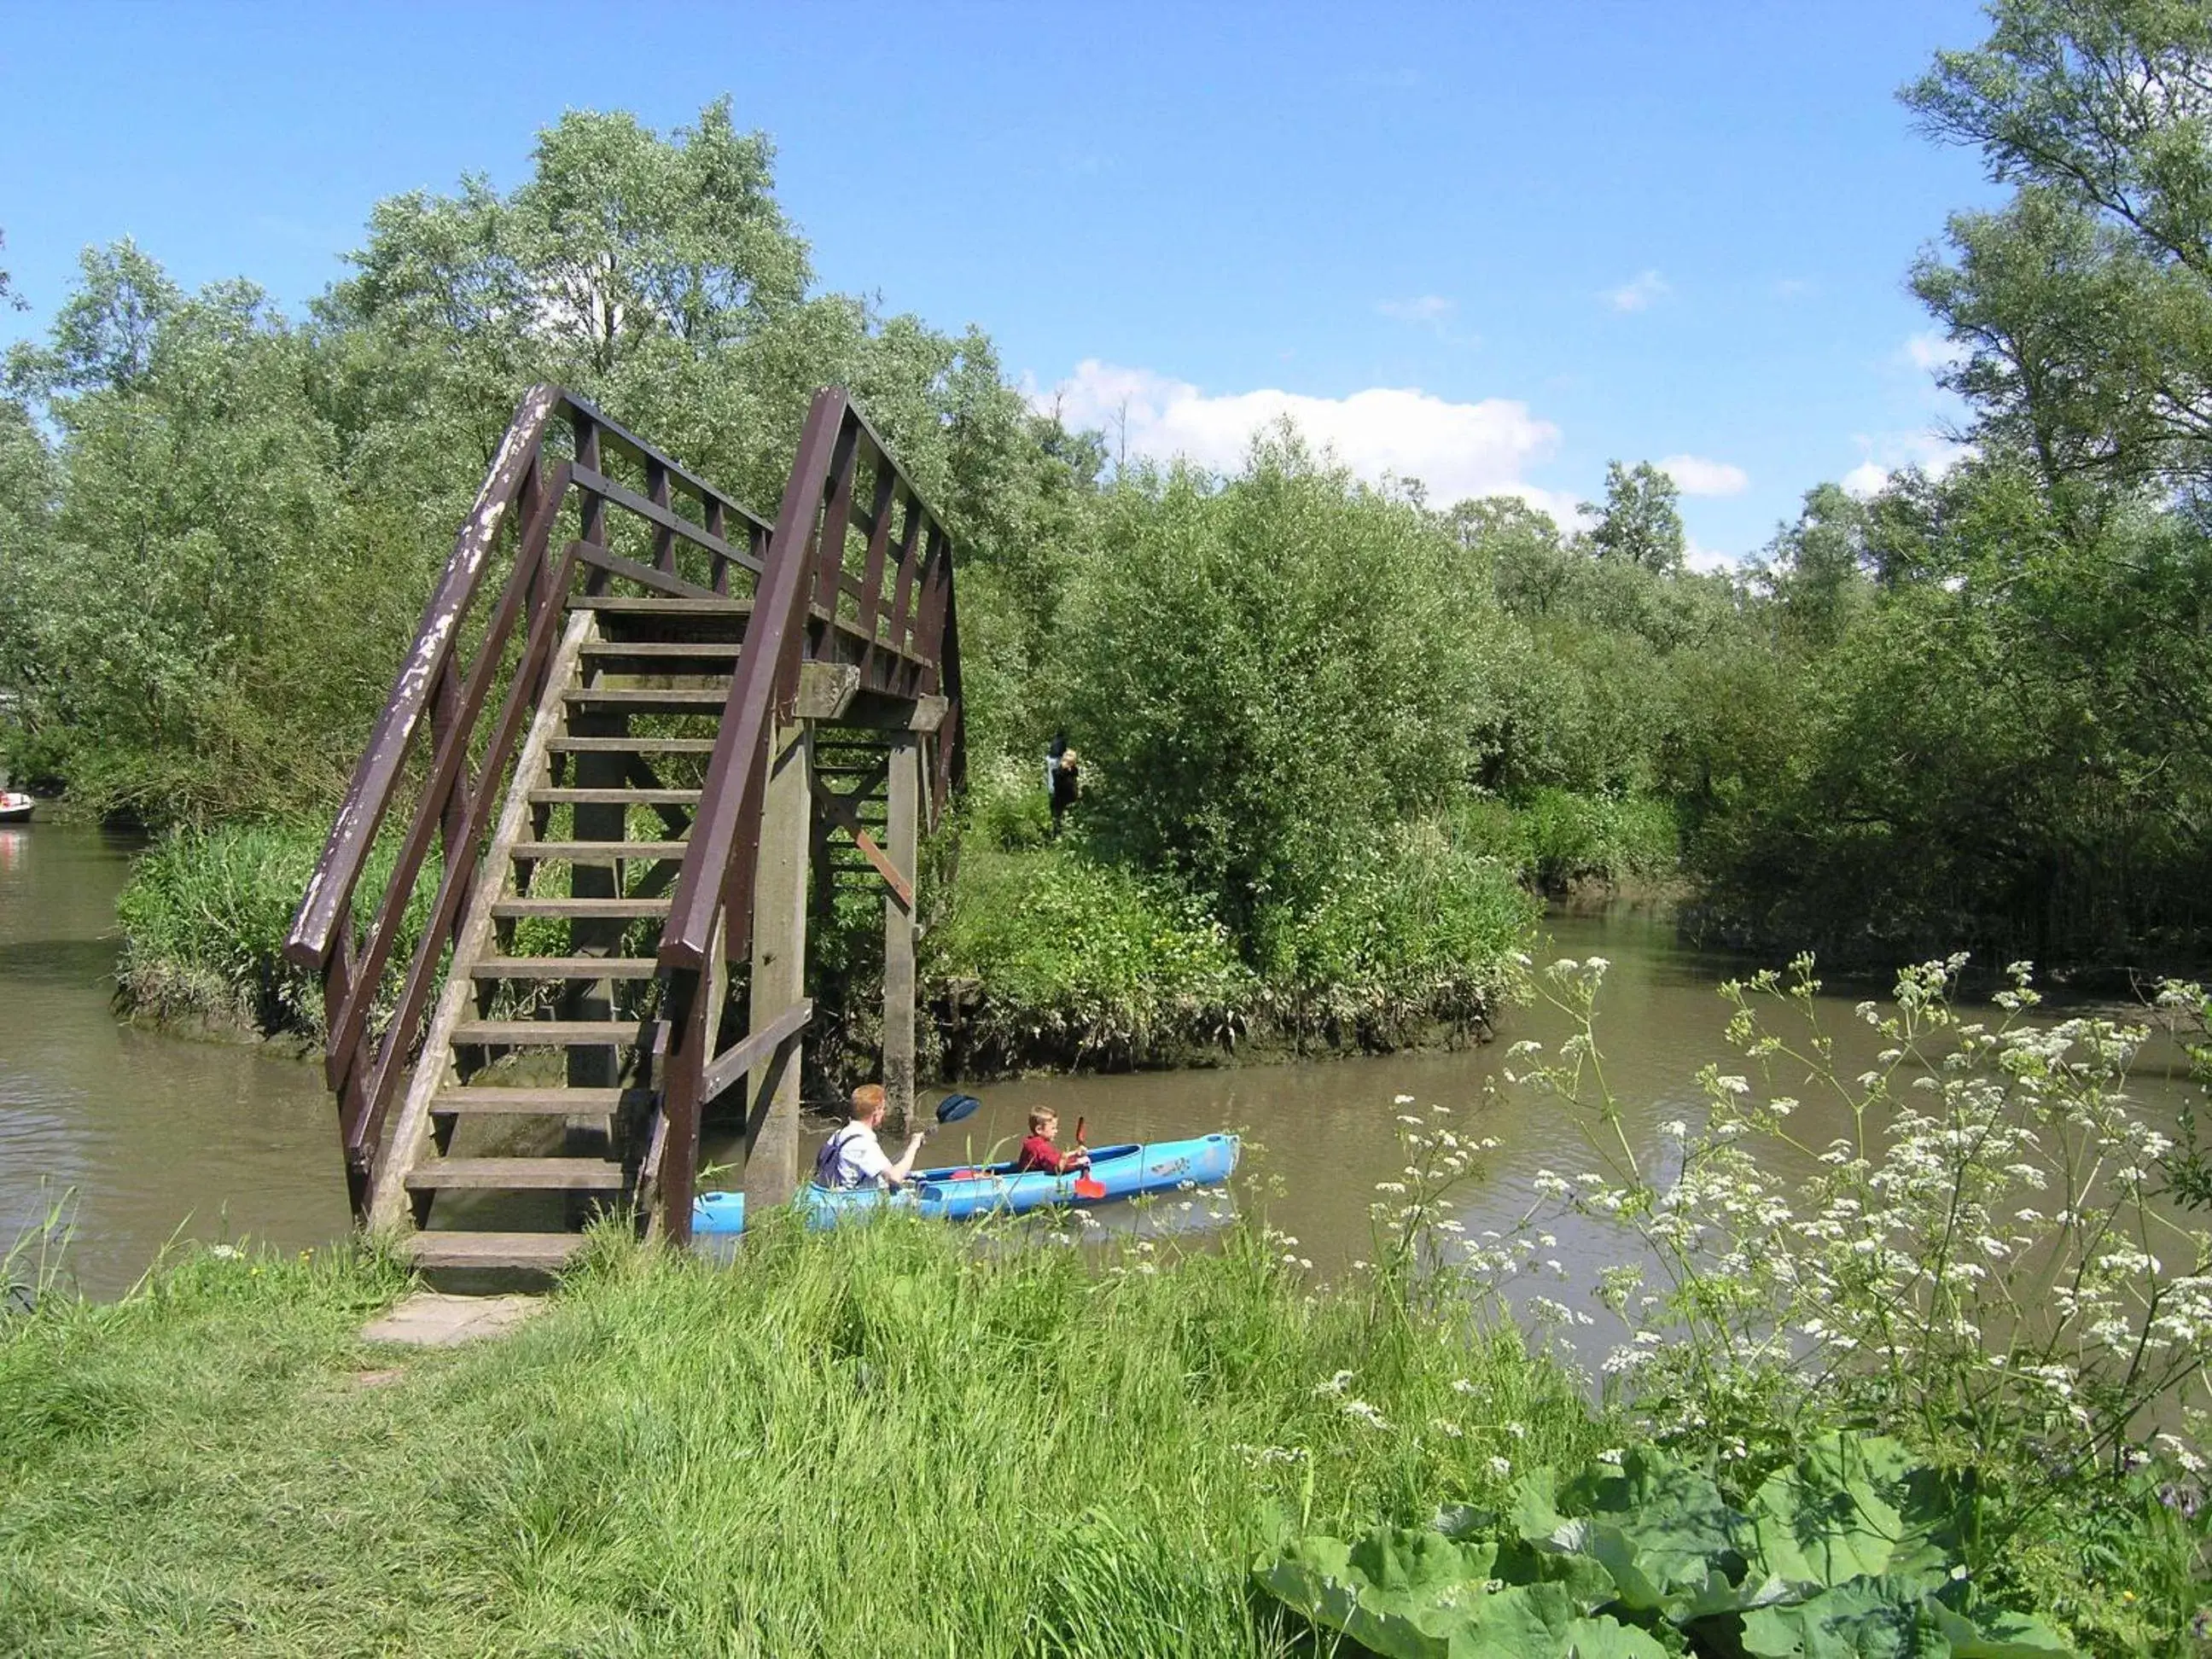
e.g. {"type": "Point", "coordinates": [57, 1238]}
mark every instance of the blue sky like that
{"type": "Point", "coordinates": [1492, 246]}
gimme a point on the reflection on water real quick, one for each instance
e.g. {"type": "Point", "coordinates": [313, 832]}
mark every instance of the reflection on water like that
{"type": "Point", "coordinates": [159, 1133]}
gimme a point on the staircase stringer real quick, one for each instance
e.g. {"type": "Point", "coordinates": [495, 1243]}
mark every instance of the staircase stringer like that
{"type": "Point", "coordinates": [389, 1209]}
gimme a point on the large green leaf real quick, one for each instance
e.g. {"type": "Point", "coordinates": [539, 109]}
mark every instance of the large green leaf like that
{"type": "Point", "coordinates": [1399, 1591]}
{"type": "Point", "coordinates": [1416, 1595]}
{"type": "Point", "coordinates": [1660, 1529]}
{"type": "Point", "coordinates": [1996, 1635]}
{"type": "Point", "coordinates": [1862, 1619]}
{"type": "Point", "coordinates": [1540, 1621]}
{"type": "Point", "coordinates": [1857, 1506]}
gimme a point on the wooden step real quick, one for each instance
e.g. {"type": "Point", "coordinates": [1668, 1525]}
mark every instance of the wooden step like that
{"type": "Point", "coordinates": [632, 745]}
{"type": "Point", "coordinates": [595, 852]}
{"type": "Point", "coordinates": [544, 1252]}
{"type": "Point", "coordinates": [632, 604]}
{"type": "Point", "coordinates": [572, 1175]}
{"type": "Point", "coordinates": [624, 619]}
{"type": "Point", "coordinates": [546, 1033]}
{"type": "Point", "coordinates": [538, 1103]}
{"type": "Point", "coordinates": [565, 967]}
{"type": "Point", "coordinates": [661, 656]}
{"type": "Point", "coordinates": [579, 909]}
{"type": "Point", "coordinates": [614, 797]}
{"type": "Point", "coordinates": [648, 700]}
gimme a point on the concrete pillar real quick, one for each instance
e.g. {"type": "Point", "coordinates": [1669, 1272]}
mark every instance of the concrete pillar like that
{"type": "Point", "coordinates": [902, 833]}
{"type": "Point", "coordinates": [779, 963]}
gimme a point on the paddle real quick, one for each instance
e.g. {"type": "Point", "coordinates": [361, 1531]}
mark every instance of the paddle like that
{"type": "Point", "coordinates": [951, 1110]}
{"type": "Point", "coordinates": [1085, 1187]}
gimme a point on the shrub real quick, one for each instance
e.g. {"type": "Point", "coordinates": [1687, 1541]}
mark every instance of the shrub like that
{"type": "Point", "coordinates": [1261, 671]}
{"type": "Point", "coordinates": [1413, 929]}
{"type": "Point", "coordinates": [1047, 952]}
{"type": "Point", "coordinates": [205, 914]}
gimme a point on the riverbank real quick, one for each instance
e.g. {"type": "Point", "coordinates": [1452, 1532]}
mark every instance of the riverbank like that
{"type": "Point", "coordinates": [1037, 955]}
{"type": "Point", "coordinates": [882, 1441]}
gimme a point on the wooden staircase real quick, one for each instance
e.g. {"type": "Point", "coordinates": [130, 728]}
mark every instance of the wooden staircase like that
{"type": "Point", "coordinates": [622, 946]}
{"type": "Point", "coordinates": [556, 966]}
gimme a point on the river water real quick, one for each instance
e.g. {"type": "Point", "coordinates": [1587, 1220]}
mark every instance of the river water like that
{"type": "Point", "coordinates": [157, 1136]}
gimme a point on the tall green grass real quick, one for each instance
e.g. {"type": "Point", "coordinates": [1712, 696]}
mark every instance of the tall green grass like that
{"type": "Point", "coordinates": [1045, 954]}
{"type": "Point", "coordinates": [1557, 837]}
{"type": "Point", "coordinates": [884, 1440]}
{"type": "Point", "coordinates": [205, 913]}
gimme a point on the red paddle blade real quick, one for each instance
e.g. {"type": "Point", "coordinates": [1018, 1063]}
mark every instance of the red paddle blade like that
{"type": "Point", "coordinates": [1085, 1187]}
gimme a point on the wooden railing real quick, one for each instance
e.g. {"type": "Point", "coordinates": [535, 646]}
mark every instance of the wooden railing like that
{"type": "Point", "coordinates": [455, 782]}
{"type": "Point", "coordinates": [867, 584]}
{"type": "Point", "coordinates": [893, 620]}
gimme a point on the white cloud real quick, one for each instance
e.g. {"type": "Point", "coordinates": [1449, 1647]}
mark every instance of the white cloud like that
{"type": "Point", "coordinates": [1428, 308]}
{"type": "Point", "coordinates": [1455, 449]}
{"type": "Point", "coordinates": [1695, 475]}
{"type": "Point", "coordinates": [1865, 479]}
{"type": "Point", "coordinates": [1929, 351]}
{"type": "Point", "coordinates": [1638, 292]}
{"type": "Point", "coordinates": [1886, 453]}
{"type": "Point", "coordinates": [1699, 556]}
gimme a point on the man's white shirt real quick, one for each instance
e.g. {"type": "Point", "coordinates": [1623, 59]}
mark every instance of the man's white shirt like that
{"type": "Point", "coordinates": [852, 1158]}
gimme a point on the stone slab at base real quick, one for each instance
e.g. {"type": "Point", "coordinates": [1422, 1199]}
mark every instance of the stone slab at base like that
{"type": "Point", "coordinates": [428, 1320]}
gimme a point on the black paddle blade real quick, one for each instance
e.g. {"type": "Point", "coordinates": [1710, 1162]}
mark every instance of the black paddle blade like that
{"type": "Point", "coordinates": [953, 1108]}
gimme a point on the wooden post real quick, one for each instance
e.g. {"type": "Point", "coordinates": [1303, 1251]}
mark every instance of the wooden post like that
{"type": "Point", "coordinates": [779, 962]}
{"type": "Point", "coordinates": [901, 832]}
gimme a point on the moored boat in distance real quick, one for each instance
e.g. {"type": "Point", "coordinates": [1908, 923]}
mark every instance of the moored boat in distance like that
{"type": "Point", "coordinates": [16, 806]}
{"type": "Point", "coordinates": [961, 1192]}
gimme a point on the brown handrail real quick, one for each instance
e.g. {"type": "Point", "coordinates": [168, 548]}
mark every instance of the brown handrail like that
{"type": "Point", "coordinates": [801, 587]}
{"type": "Point", "coordinates": [795, 615]}
{"type": "Point", "coordinates": [330, 890]}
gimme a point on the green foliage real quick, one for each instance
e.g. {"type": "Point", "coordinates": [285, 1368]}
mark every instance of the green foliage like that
{"type": "Point", "coordinates": [1638, 523]}
{"type": "Point", "coordinates": [1048, 953]}
{"type": "Point", "coordinates": [2083, 307]}
{"type": "Point", "coordinates": [879, 1439]}
{"type": "Point", "coordinates": [205, 918]}
{"type": "Point", "coordinates": [2011, 753]}
{"type": "Point", "coordinates": [1259, 671]}
{"type": "Point", "coordinates": [1556, 837]}
{"type": "Point", "coordinates": [1854, 1548]}
{"type": "Point", "coordinates": [1416, 928]}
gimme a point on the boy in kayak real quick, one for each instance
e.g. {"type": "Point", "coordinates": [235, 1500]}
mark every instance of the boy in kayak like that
{"type": "Point", "coordinates": [1041, 1153]}
{"type": "Point", "coordinates": [852, 1158]}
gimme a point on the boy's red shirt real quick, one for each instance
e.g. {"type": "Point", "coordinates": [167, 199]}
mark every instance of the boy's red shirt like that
{"type": "Point", "coordinates": [1039, 1153]}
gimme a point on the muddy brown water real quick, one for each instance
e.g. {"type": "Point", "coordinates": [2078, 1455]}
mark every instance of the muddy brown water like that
{"type": "Point", "coordinates": [159, 1136]}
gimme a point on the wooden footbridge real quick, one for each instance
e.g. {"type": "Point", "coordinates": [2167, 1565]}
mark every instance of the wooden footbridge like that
{"type": "Point", "coordinates": [614, 789]}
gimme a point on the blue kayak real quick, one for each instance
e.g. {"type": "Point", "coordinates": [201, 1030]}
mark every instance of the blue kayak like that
{"type": "Point", "coordinates": [958, 1193]}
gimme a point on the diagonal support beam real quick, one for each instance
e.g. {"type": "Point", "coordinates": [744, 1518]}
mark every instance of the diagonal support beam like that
{"type": "Point", "coordinates": [841, 809]}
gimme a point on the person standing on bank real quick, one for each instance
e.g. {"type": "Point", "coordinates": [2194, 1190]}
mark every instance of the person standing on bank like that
{"type": "Point", "coordinates": [853, 1158]}
{"type": "Point", "coordinates": [1061, 773]}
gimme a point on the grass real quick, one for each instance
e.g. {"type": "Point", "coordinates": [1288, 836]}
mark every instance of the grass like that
{"type": "Point", "coordinates": [204, 917]}
{"type": "Point", "coordinates": [880, 1440]}
{"type": "Point", "coordinates": [1558, 837]}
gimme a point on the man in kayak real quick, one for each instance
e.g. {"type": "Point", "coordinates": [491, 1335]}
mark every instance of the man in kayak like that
{"type": "Point", "coordinates": [852, 1158]}
{"type": "Point", "coordinates": [1041, 1153]}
